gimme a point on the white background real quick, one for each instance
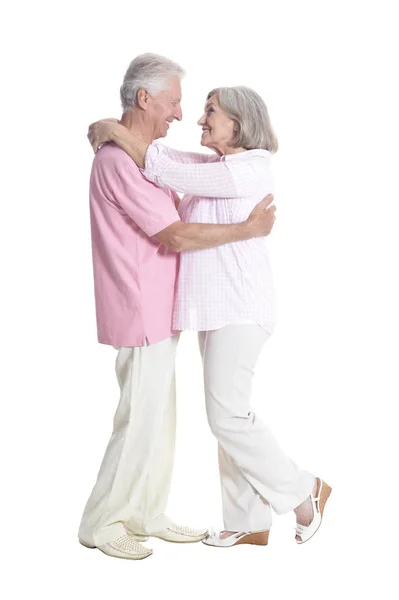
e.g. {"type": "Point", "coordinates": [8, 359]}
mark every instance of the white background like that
{"type": "Point", "coordinates": [327, 379]}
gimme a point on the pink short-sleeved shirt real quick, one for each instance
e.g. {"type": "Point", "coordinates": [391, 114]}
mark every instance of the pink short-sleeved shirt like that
{"type": "Point", "coordinates": [134, 275]}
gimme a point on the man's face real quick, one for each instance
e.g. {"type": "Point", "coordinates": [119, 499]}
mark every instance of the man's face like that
{"type": "Point", "coordinates": [165, 108]}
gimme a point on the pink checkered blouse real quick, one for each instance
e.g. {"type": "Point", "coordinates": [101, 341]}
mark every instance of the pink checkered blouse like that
{"type": "Point", "coordinates": [230, 283]}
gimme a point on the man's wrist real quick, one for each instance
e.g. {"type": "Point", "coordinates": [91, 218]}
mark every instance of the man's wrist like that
{"type": "Point", "coordinates": [247, 229]}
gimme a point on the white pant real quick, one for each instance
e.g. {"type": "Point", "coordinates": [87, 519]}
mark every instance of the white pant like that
{"type": "Point", "coordinates": [255, 473]}
{"type": "Point", "coordinates": [134, 479]}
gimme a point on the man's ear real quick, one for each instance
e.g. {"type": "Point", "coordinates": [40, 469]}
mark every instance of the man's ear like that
{"type": "Point", "coordinates": [143, 98]}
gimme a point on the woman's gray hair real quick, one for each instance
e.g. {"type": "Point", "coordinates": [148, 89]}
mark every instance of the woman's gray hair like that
{"type": "Point", "coordinates": [151, 72]}
{"type": "Point", "coordinates": [249, 112]}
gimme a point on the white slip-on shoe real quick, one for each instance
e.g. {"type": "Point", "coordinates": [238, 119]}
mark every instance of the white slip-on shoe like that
{"type": "Point", "coordinates": [139, 537]}
{"type": "Point", "coordinates": [258, 538]}
{"type": "Point", "coordinates": [303, 533]}
{"type": "Point", "coordinates": [177, 533]}
{"type": "Point", "coordinates": [124, 547]}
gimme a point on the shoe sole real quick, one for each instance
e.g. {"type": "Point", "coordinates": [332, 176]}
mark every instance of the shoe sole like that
{"type": "Point", "coordinates": [255, 539]}
{"type": "Point", "coordinates": [114, 555]}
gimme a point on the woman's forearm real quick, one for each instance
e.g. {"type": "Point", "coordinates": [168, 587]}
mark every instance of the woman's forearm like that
{"type": "Point", "coordinates": [132, 145]}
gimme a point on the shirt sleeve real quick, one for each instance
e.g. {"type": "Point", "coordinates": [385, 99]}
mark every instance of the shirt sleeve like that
{"type": "Point", "coordinates": [222, 179]}
{"type": "Point", "coordinates": [187, 157]}
{"type": "Point", "coordinates": [146, 204]}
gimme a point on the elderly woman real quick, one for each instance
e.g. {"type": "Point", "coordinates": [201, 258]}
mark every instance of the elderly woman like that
{"type": "Point", "coordinates": [226, 294]}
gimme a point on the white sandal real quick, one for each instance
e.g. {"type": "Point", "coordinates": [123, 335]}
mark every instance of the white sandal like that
{"type": "Point", "coordinates": [258, 538]}
{"type": "Point", "coordinates": [305, 532]}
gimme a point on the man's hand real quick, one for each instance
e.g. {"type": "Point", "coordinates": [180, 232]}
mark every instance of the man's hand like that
{"type": "Point", "coordinates": [101, 132]}
{"type": "Point", "coordinates": [261, 219]}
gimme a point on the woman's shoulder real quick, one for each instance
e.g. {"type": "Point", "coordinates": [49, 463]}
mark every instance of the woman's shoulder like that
{"type": "Point", "coordinates": [251, 171]}
{"type": "Point", "coordinates": [257, 161]}
{"type": "Point", "coordinates": [259, 157]}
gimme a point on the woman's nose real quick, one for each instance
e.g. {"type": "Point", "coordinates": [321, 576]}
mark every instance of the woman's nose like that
{"type": "Point", "coordinates": [202, 120]}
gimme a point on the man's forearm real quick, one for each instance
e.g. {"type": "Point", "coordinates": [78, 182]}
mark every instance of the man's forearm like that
{"type": "Point", "coordinates": [197, 236]}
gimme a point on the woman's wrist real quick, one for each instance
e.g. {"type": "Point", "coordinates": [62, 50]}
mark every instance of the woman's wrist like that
{"type": "Point", "coordinates": [118, 133]}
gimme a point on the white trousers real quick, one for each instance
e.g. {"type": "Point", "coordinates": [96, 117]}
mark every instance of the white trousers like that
{"type": "Point", "coordinates": [132, 487]}
{"type": "Point", "coordinates": [255, 473]}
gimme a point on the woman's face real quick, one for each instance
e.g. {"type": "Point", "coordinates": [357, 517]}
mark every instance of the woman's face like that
{"type": "Point", "coordinates": [217, 127]}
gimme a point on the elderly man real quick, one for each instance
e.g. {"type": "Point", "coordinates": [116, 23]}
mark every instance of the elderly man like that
{"type": "Point", "coordinates": [136, 237]}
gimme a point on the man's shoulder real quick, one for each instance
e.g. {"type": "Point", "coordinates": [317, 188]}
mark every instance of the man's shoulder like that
{"type": "Point", "coordinates": [111, 157]}
{"type": "Point", "coordinates": [115, 168]}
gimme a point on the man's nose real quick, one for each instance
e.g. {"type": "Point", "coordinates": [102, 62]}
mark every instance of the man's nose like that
{"type": "Point", "coordinates": [178, 113]}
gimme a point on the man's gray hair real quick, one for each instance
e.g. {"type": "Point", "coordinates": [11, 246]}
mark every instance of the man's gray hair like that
{"type": "Point", "coordinates": [249, 112]}
{"type": "Point", "coordinates": [151, 72]}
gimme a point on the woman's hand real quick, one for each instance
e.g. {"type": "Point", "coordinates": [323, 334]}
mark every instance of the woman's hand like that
{"type": "Point", "coordinates": [111, 130]}
{"type": "Point", "coordinates": [102, 132]}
